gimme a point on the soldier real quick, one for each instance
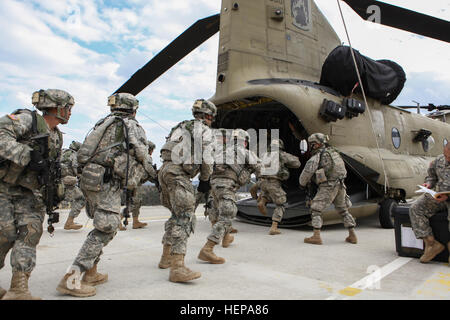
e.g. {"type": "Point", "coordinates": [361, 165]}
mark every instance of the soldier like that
{"type": "Point", "coordinates": [327, 169]}
{"type": "Point", "coordinates": [271, 189]}
{"type": "Point", "coordinates": [193, 137]}
{"type": "Point", "coordinates": [426, 206]}
{"type": "Point", "coordinates": [73, 194]}
{"type": "Point", "coordinates": [138, 195]}
{"type": "Point", "coordinates": [211, 207]}
{"type": "Point", "coordinates": [21, 182]}
{"type": "Point", "coordinates": [230, 173]}
{"type": "Point", "coordinates": [114, 157]}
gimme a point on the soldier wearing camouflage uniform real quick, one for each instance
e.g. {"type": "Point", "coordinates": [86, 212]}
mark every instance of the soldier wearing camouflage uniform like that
{"type": "Point", "coordinates": [271, 189]}
{"type": "Point", "coordinates": [327, 170]}
{"type": "Point", "coordinates": [114, 157]}
{"type": "Point", "coordinates": [426, 206]}
{"type": "Point", "coordinates": [21, 198]}
{"type": "Point", "coordinates": [230, 173]}
{"type": "Point", "coordinates": [138, 195]}
{"type": "Point", "coordinates": [73, 194]}
{"type": "Point", "coordinates": [194, 137]}
{"type": "Point", "coordinates": [211, 207]}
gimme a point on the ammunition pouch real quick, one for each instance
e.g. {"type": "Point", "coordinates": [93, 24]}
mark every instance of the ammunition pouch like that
{"type": "Point", "coordinates": [92, 177]}
{"type": "Point", "coordinates": [13, 172]}
{"type": "Point", "coordinates": [70, 181]}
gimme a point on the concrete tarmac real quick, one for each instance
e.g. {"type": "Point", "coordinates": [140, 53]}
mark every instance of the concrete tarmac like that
{"type": "Point", "coordinates": [258, 266]}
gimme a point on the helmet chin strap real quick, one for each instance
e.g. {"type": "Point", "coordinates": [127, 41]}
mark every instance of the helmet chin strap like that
{"type": "Point", "coordinates": [57, 115]}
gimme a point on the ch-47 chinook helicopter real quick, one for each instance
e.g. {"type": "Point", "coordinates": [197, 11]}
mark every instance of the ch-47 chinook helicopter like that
{"type": "Point", "coordinates": [270, 76]}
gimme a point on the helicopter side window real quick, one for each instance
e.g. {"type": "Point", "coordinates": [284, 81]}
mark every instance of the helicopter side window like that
{"type": "Point", "coordinates": [428, 144]}
{"type": "Point", "coordinates": [396, 139]}
{"type": "Point", "coordinates": [303, 146]}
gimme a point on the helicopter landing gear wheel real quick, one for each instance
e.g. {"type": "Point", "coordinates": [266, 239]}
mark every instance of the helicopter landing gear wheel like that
{"type": "Point", "coordinates": [386, 216]}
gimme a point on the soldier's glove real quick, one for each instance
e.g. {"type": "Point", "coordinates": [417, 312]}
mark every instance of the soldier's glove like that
{"type": "Point", "coordinates": [37, 162]}
{"type": "Point", "coordinates": [203, 186]}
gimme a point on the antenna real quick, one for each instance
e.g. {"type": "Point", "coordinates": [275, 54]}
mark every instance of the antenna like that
{"type": "Point", "coordinates": [418, 106]}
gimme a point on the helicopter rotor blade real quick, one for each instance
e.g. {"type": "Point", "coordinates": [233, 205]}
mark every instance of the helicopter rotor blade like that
{"type": "Point", "coordinates": [190, 39]}
{"type": "Point", "coordinates": [401, 18]}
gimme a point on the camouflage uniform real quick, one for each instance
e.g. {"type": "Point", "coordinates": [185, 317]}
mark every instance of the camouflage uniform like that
{"type": "Point", "coordinates": [23, 210]}
{"type": "Point", "coordinates": [426, 206]}
{"type": "Point", "coordinates": [139, 192]}
{"type": "Point", "coordinates": [331, 191]}
{"type": "Point", "coordinates": [270, 185]}
{"type": "Point", "coordinates": [226, 179]}
{"type": "Point", "coordinates": [177, 192]}
{"type": "Point", "coordinates": [104, 175]}
{"type": "Point", "coordinates": [21, 189]}
{"type": "Point", "coordinates": [73, 194]}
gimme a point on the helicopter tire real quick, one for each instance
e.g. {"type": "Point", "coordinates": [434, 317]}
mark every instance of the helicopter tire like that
{"type": "Point", "coordinates": [386, 213]}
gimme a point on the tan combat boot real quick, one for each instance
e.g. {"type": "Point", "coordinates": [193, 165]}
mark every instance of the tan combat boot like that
{"type": "Point", "coordinates": [165, 258]}
{"type": "Point", "coordinates": [71, 225]}
{"type": "Point", "coordinates": [121, 226]}
{"type": "Point", "coordinates": [274, 228]}
{"type": "Point", "coordinates": [262, 205]}
{"type": "Point", "coordinates": [233, 230]}
{"type": "Point", "coordinates": [179, 272]}
{"type": "Point", "coordinates": [93, 278]}
{"type": "Point", "coordinates": [351, 236]}
{"type": "Point", "coordinates": [227, 240]}
{"type": "Point", "coordinates": [432, 249]}
{"type": "Point", "coordinates": [137, 224]}
{"type": "Point", "coordinates": [19, 288]}
{"type": "Point", "coordinates": [315, 239]}
{"type": "Point", "coordinates": [2, 292]}
{"type": "Point", "coordinates": [207, 254]}
{"type": "Point", "coordinates": [72, 285]}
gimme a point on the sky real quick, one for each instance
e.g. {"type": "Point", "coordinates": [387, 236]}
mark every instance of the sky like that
{"type": "Point", "coordinates": [91, 47]}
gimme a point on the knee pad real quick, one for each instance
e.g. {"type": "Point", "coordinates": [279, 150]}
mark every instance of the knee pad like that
{"type": "Point", "coordinates": [228, 208]}
{"type": "Point", "coordinates": [30, 234]}
{"type": "Point", "coordinates": [106, 222]}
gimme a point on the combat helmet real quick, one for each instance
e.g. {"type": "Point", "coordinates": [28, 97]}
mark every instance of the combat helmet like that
{"type": "Point", "coordinates": [277, 143]}
{"type": "Point", "coordinates": [151, 145]}
{"type": "Point", "coordinates": [318, 138]}
{"type": "Point", "coordinates": [202, 106]}
{"type": "Point", "coordinates": [75, 145]}
{"type": "Point", "coordinates": [240, 134]}
{"type": "Point", "coordinates": [123, 102]}
{"type": "Point", "coordinates": [53, 98]}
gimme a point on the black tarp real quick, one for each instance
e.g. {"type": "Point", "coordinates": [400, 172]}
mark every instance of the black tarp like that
{"type": "Point", "coordinates": [382, 80]}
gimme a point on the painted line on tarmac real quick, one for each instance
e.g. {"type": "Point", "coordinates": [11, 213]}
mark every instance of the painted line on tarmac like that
{"type": "Point", "coordinates": [372, 281]}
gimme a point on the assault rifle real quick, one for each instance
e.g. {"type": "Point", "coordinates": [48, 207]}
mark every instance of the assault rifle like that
{"type": "Point", "coordinates": [48, 178]}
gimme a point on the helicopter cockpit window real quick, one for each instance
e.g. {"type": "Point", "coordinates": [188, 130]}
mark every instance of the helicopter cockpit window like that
{"type": "Point", "coordinates": [396, 139]}
{"type": "Point", "coordinates": [303, 146]}
{"type": "Point", "coordinates": [428, 144]}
